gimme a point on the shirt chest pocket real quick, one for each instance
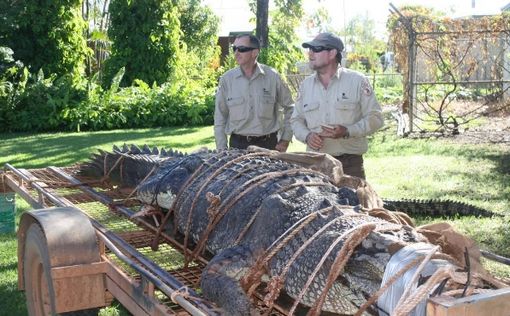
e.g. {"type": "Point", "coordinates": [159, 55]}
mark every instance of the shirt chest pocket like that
{"type": "Point", "coordinates": [346, 113]}
{"type": "Point", "coordinates": [236, 108]}
{"type": "Point", "coordinates": [312, 114]}
{"type": "Point", "coordinates": [266, 108]}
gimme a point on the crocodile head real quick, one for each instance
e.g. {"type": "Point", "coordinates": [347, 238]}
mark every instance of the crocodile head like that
{"type": "Point", "coordinates": [162, 188]}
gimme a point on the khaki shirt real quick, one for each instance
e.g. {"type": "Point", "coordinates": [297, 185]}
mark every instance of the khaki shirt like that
{"type": "Point", "coordinates": [349, 100]}
{"type": "Point", "coordinates": [254, 106]}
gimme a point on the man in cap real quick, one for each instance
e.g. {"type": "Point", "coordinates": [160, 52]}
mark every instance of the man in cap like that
{"type": "Point", "coordinates": [336, 107]}
{"type": "Point", "coordinates": [253, 104]}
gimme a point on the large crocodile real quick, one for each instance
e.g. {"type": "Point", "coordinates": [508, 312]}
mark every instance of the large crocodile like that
{"type": "Point", "coordinates": [260, 217]}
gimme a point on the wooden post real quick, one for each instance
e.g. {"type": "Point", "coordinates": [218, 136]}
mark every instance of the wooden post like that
{"type": "Point", "coordinates": [411, 79]}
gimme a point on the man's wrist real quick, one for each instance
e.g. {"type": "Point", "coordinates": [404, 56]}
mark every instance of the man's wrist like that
{"type": "Point", "coordinates": [307, 137]}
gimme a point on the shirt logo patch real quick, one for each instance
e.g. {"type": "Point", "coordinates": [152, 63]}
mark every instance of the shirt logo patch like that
{"type": "Point", "coordinates": [366, 88]}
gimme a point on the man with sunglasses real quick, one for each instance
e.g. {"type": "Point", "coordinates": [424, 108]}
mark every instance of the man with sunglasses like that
{"type": "Point", "coordinates": [336, 107]}
{"type": "Point", "coordinates": [253, 104]}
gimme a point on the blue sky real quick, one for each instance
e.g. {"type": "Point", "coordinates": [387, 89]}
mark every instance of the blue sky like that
{"type": "Point", "coordinates": [236, 16]}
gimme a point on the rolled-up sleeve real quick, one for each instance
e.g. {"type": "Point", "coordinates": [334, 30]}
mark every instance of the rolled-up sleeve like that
{"type": "Point", "coordinates": [220, 116]}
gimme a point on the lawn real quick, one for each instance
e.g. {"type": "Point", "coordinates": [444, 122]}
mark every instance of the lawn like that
{"type": "Point", "coordinates": [396, 167]}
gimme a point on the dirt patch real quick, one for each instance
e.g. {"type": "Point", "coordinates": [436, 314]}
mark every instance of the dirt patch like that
{"type": "Point", "coordinates": [496, 130]}
{"type": "Point", "coordinates": [493, 129]}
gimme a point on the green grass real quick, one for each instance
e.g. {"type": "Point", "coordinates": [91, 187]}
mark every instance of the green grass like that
{"type": "Point", "coordinates": [61, 149]}
{"type": "Point", "coordinates": [12, 302]}
{"type": "Point", "coordinates": [396, 167]}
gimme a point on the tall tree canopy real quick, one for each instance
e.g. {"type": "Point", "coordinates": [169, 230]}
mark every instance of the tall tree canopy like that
{"type": "Point", "coordinates": [145, 40]}
{"type": "Point", "coordinates": [46, 35]}
{"type": "Point", "coordinates": [282, 50]}
{"type": "Point", "coordinates": [199, 25]}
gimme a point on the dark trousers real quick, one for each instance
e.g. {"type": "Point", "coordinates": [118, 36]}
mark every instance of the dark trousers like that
{"type": "Point", "coordinates": [352, 165]}
{"type": "Point", "coordinates": [268, 141]}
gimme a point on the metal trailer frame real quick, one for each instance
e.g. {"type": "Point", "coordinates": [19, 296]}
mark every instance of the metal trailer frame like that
{"type": "Point", "coordinates": [88, 265]}
{"type": "Point", "coordinates": [126, 268]}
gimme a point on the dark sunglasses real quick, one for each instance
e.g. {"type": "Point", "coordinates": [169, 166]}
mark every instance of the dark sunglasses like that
{"type": "Point", "coordinates": [318, 49]}
{"type": "Point", "coordinates": [242, 49]}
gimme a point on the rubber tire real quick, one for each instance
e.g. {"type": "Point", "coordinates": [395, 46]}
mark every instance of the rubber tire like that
{"type": "Point", "coordinates": [39, 291]}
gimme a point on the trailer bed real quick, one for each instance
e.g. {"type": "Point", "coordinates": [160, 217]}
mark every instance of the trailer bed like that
{"type": "Point", "coordinates": [161, 272]}
{"type": "Point", "coordinates": [157, 282]}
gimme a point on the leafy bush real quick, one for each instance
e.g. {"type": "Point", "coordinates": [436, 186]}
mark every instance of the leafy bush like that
{"type": "Point", "coordinates": [37, 102]}
{"type": "Point", "coordinates": [165, 80]}
{"type": "Point", "coordinates": [172, 104]}
{"type": "Point", "coordinates": [59, 104]}
{"type": "Point", "coordinates": [388, 88]}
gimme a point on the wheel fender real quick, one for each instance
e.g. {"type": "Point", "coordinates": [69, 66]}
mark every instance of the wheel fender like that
{"type": "Point", "coordinates": [70, 237]}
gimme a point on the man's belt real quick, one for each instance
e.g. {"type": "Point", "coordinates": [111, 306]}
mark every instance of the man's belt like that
{"type": "Point", "coordinates": [346, 156]}
{"type": "Point", "coordinates": [250, 139]}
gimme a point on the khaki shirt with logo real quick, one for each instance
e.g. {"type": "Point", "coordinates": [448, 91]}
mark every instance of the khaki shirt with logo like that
{"type": "Point", "coordinates": [254, 106]}
{"type": "Point", "coordinates": [349, 100]}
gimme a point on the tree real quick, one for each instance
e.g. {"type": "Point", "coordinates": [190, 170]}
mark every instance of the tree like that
{"type": "Point", "coordinates": [360, 36]}
{"type": "Point", "coordinates": [282, 50]}
{"type": "Point", "coordinates": [145, 39]}
{"type": "Point", "coordinates": [199, 25]}
{"type": "Point", "coordinates": [319, 21]}
{"type": "Point", "coordinates": [46, 35]}
{"type": "Point", "coordinates": [262, 30]}
{"type": "Point", "coordinates": [95, 13]}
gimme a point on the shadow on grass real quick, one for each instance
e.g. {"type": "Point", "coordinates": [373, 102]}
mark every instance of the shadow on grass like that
{"type": "Point", "coordinates": [42, 150]}
{"type": "Point", "coordinates": [386, 143]}
{"type": "Point", "coordinates": [12, 301]}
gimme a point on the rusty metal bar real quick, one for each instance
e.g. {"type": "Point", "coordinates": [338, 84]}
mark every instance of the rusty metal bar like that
{"type": "Point", "coordinates": [156, 274]}
{"type": "Point", "coordinates": [22, 173]}
{"type": "Point", "coordinates": [164, 281]}
{"type": "Point", "coordinates": [168, 290]}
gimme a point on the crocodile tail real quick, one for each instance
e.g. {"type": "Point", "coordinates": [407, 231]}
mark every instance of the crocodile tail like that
{"type": "Point", "coordinates": [434, 207]}
{"type": "Point", "coordinates": [127, 165]}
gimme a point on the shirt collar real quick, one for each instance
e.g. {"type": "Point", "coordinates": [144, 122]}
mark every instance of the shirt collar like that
{"type": "Point", "coordinates": [258, 71]}
{"type": "Point", "coordinates": [336, 75]}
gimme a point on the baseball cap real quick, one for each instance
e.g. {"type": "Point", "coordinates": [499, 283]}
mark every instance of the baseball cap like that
{"type": "Point", "coordinates": [328, 40]}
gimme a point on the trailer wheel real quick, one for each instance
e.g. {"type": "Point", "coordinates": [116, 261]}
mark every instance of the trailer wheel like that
{"type": "Point", "coordinates": [39, 290]}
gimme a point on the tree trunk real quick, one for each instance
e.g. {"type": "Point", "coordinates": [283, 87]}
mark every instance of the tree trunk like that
{"type": "Point", "coordinates": [262, 30]}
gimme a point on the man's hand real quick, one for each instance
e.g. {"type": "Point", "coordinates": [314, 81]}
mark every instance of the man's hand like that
{"type": "Point", "coordinates": [314, 140]}
{"type": "Point", "coordinates": [282, 146]}
{"type": "Point", "coordinates": [335, 131]}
